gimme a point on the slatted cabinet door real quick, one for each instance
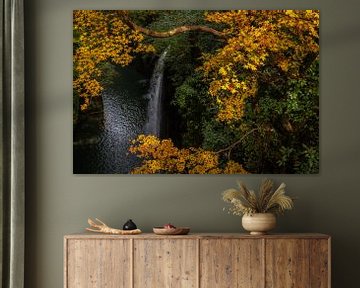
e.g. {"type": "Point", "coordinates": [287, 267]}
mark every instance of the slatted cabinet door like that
{"type": "Point", "coordinates": [231, 263]}
{"type": "Point", "coordinates": [287, 263]}
{"type": "Point", "coordinates": [165, 263]}
{"type": "Point", "coordinates": [320, 263]}
{"type": "Point", "coordinates": [297, 263]}
{"type": "Point", "coordinates": [99, 263]}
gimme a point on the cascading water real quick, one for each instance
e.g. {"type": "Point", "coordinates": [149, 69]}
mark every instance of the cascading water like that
{"type": "Point", "coordinates": [153, 122]}
{"type": "Point", "coordinates": [124, 118]}
{"type": "Point", "coordinates": [126, 115]}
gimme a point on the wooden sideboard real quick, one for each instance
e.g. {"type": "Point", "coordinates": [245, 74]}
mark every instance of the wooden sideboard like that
{"type": "Point", "coordinates": [197, 260]}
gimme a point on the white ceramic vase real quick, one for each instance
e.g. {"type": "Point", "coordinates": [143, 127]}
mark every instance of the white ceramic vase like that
{"type": "Point", "coordinates": [259, 223]}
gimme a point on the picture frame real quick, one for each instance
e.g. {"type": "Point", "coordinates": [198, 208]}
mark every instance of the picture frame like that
{"type": "Point", "coordinates": [239, 98]}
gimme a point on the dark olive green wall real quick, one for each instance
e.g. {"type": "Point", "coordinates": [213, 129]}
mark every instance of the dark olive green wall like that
{"type": "Point", "coordinates": [59, 202]}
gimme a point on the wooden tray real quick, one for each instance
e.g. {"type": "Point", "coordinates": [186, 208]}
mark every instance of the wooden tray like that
{"type": "Point", "coordinates": [171, 231]}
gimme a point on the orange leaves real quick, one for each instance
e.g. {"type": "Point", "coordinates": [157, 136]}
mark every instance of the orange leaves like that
{"type": "Point", "coordinates": [161, 156]}
{"type": "Point", "coordinates": [279, 38]}
{"type": "Point", "coordinates": [102, 36]}
{"type": "Point", "coordinates": [233, 167]}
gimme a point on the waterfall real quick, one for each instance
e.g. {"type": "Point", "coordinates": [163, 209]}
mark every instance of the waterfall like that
{"type": "Point", "coordinates": [153, 122]}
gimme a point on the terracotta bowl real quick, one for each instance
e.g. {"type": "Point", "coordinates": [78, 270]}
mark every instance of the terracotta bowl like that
{"type": "Point", "coordinates": [171, 231]}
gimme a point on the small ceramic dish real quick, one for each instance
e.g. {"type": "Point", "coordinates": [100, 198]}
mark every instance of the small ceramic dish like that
{"type": "Point", "coordinates": [171, 231]}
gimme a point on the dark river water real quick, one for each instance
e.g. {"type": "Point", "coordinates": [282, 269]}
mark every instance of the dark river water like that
{"type": "Point", "coordinates": [125, 110]}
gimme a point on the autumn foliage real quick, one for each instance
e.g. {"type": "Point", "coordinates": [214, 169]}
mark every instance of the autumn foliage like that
{"type": "Point", "coordinates": [256, 37]}
{"type": "Point", "coordinates": [260, 73]}
{"type": "Point", "coordinates": [161, 156]}
{"type": "Point", "coordinates": [101, 36]}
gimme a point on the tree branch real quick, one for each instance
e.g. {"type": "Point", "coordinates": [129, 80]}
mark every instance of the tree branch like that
{"type": "Point", "coordinates": [172, 32]}
{"type": "Point", "coordinates": [233, 145]}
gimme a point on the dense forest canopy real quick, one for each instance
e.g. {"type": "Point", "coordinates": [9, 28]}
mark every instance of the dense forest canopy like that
{"type": "Point", "coordinates": [245, 84]}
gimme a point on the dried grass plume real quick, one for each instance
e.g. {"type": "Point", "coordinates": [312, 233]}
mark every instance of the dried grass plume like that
{"type": "Point", "coordinates": [267, 200]}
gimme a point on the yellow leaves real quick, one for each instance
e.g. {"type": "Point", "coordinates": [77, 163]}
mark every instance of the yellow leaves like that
{"type": "Point", "coordinates": [202, 162]}
{"type": "Point", "coordinates": [233, 167]}
{"type": "Point", "coordinates": [250, 66]}
{"type": "Point", "coordinates": [291, 13]}
{"type": "Point", "coordinates": [255, 37]}
{"type": "Point", "coordinates": [161, 156]}
{"type": "Point", "coordinates": [222, 71]}
{"type": "Point", "coordinates": [103, 36]}
{"type": "Point", "coordinates": [85, 105]}
{"type": "Point", "coordinates": [231, 95]}
{"type": "Point", "coordinates": [284, 64]}
{"type": "Point", "coordinates": [92, 86]}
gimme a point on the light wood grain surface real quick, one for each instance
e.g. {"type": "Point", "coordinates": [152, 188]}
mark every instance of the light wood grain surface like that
{"type": "Point", "coordinates": [228, 263]}
{"type": "Point", "coordinates": [319, 263]}
{"type": "Point", "coordinates": [287, 263]}
{"type": "Point", "coordinates": [165, 263]}
{"type": "Point", "coordinates": [98, 263]}
{"type": "Point", "coordinates": [89, 235]}
{"type": "Point", "coordinates": [205, 260]}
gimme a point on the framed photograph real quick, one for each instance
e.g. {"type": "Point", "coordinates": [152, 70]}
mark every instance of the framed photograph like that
{"type": "Point", "coordinates": [195, 91]}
